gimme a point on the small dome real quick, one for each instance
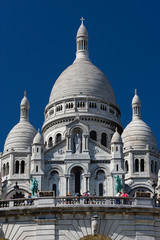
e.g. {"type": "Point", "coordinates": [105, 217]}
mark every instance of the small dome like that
{"type": "Point", "coordinates": [25, 101]}
{"type": "Point", "coordinates": [20, 137]}
{"type": "Point", "coordinates": [116, 137]}
{"type": "Point", "coordinates": [38, 139]}
{"type": "Point", "coordinates": [82, 31]}
{"type": "Point", "coordinates": [136, 99]}
{"type": "Point", "coordinates": [138, 135]}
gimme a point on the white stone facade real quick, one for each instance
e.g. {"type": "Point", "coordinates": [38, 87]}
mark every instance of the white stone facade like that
{"type": "Point", "coordinates": [80, 150]}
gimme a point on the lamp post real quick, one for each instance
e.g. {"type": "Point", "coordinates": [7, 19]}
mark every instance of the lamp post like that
{"type": "Point", "coordinates": [154, 185]}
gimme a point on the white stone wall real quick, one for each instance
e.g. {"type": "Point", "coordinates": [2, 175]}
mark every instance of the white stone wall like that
{"type": "Point", "coordinates": [64, 226]}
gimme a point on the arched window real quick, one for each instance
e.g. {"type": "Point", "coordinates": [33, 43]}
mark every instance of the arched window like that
{"type": "Point", "coordinates": [104, 139]}
{"type": "Point", "coordinates": [54, 188]}
{"type": "Point", "coordinates": [142, 165]}
{"type": "Point", "coordinates": [4, 169]}
{"type": "Point", "coordinates": [37, 168]}
{"type": "Point", "coordinates": [7, 169]}
{"type": "Point", "coordinates": [101, 189]}
{"type": "Point", "coordinates": [152, 166]}
{"type": "Point", "coordinates": [156, 167]}
{"type": "Point", "coordinates": [126, 166]}
{"type": "Point", "coordinates": [117, 167]}
{"type": "Point", "coordinates": [93, 135]}
{"type": "Point", "coordinates": [116, 149]}
{"type": "Point", "coordinates": [17, 167]}
{"type": "Point", "coordinates": [136, 165]}
{"type": "Point", "coordinates": [58, 138]}
{"type": "Point", "coordinates": [22, 166]}
{"type": "Point", "coordinates": [50, 142]}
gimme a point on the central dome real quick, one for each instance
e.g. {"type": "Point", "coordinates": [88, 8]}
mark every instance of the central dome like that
{"type": "Point", "coordinates": [83, 78]}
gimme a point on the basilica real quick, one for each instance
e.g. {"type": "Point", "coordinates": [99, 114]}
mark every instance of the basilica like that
{"type": "Point", "coordinates": [81, 148]}
{"type": "Point", "coordinates": [82, 145]}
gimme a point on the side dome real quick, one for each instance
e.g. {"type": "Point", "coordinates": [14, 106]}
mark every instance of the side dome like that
{"type": "Point", "coordinates": [138, 134]}
{"type": "Point", "coordinates": [116, 137]}
{"type": "Point", "coordinates": [22, 134]}
{"type": "Point", "coordinates": [38, 139]}
{"type": "Point", "coordinates": [82, 78]}
{"type": "Point", "coordinates": [20, 137]}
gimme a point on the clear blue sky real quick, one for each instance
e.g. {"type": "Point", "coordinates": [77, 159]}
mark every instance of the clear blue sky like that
{"type": "Point", "coordinates": [37, 42]}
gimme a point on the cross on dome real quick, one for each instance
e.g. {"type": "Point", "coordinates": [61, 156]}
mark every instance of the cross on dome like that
{"type": "Point", "coordinates": [82, 19]}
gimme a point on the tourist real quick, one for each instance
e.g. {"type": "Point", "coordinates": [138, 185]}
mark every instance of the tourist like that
{"type": "Point", "coordinates": [124, 195]}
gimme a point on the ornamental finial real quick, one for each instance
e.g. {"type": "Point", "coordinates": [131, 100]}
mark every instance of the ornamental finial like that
{"type": "Point", "coordinates": [135, 91]}
{"type": "Point", "coordinates": [25, 93]}
{"type": "Point", "coordinates": [82, 19]}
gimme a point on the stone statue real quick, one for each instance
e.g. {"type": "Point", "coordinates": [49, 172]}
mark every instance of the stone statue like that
{"type": "Point", "coordinates": [34, 186]}
{"type": "Point", "coordinates": [77, 143]}
{"type": "Point", "coordinates": [118, 186]}
{"type": "Point", "coordinates": [95, 225]}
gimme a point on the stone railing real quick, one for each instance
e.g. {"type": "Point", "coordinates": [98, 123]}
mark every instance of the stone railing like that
{"type": "Point", "coordinates": [79, 201]}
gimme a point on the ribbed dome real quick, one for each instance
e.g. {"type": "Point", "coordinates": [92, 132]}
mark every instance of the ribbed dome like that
{"type": "Point", "coordinates": [38, 139]}
{"type": "Point", "coordinates": [82, 78]}
{"type": "Point", "coordinates": [20, 137]}
{"type": "Point", "coordinates": [138, 134]}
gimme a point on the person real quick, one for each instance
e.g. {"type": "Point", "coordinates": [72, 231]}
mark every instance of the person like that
{"type": "Point", "coordinates": [118, 195]}
{"type": "Point", "coordinates": [28, 201]}
{"type": "Point", "coordinates": [124, 195]}
{"type": "Point", "coordinates": [68, 200]}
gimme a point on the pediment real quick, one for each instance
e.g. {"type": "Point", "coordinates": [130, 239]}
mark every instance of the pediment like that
{"type": "Point", "coordinates": [57, 152]}
{"type": "Point", "coordinates": [77, 123]}
{"type": "Point", "coordinates": [98, 151]}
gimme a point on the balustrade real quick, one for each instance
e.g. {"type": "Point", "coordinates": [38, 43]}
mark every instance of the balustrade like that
{"type": "Point", "coordinates": [82, 201]}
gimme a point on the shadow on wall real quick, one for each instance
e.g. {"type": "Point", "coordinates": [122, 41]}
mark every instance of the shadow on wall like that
{"type": "Point", "coordinates": [95, 237]}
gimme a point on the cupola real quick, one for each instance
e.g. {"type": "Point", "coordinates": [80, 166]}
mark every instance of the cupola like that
{"type": "Point", "coordinates": [136, 106]}
{"type": "Point", "coordinates": [82, 41]}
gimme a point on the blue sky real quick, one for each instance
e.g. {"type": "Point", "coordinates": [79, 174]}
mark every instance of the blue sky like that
{"type": "Point", "coordinates": [38, 42]}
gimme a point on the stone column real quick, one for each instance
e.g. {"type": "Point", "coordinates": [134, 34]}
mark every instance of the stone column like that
{"type": "Point", "coordinates": [69, 145]}
{"type": "Point", "coordinates": [67, 176]}
{"type": "Point", "coordinates": [86, 142]}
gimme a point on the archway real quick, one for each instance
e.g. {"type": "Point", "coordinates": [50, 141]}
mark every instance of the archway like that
{"type": "Point", "coordinates": [76, 185]}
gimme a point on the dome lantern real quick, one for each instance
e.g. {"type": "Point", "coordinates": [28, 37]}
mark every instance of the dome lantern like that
{"type": "Point", "coordinates": [82, 41]}
{"type": "Point", "coordinates": [24, 109]}
{"type": "Point", "coordinates": [136, 107]}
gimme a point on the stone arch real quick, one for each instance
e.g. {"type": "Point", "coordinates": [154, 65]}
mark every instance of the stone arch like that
{"type": "Point", "coordinates": [58, 132]}
{"type": "Point", "coordinates": [50, 141]}
{"type": "Point", "coordinates": [76, 181]}
{"type": "Point", "coordinates": [100, 167]}
{"type": "Point", "coordinates": [77, 165]}
{"type": "Point", "coordinates": [77, 139]}
{"type": "Point", "coordinates": [79, 125]}
{"type": "Point", "coordinates": [11, 191]}
{"type": "Point", "coordinates": [140, 189]}
{"type": "Point", "coordinates": [95, 237]}
{"type": "Point", "coordinates": [54, 181]}
{"type": "Point", "coordinates": [56, 168]}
